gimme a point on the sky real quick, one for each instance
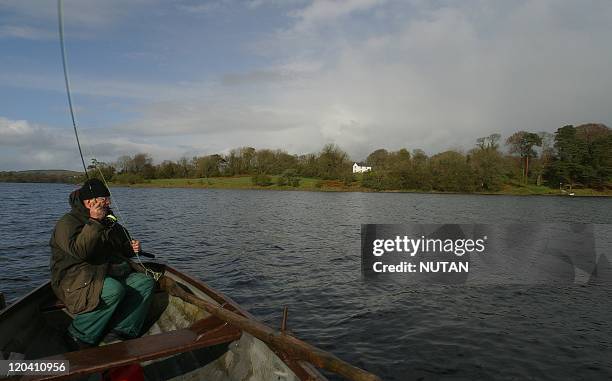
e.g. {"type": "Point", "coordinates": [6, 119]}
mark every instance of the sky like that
{"type": "Point", "coordinates": [181, 78]}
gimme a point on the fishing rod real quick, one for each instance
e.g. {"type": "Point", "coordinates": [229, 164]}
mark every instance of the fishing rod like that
{"type": "Point", "coordinates": [60, 14]}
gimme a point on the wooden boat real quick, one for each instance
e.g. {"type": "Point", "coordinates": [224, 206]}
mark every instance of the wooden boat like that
{"type": "Point", "coordinates": [183, 341]}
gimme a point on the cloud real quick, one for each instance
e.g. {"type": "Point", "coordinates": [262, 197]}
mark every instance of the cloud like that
{"type": "Point", "coordinates": [107, 87]}
{"type": "Point", "coordinates": [25, 32]}
{"type": "Point", "coordinates": [205, 117]}
{"type": "Point", "coordinates": [82, 18]}
{"type": "Point", "coordinates": [32, 146]}
{"type": "Point", "coordinates": [27, 146]}
{"type": "Point", "coordinates": [254, 4]}
{"type": "Point", "coordinates": [254, 77]}
{"type": "Point", "coordinates": [198, 8]}
{"type": "Point", "coordinates": [21, 133]}
{"type": "Point", "coordinates": [325, 11]}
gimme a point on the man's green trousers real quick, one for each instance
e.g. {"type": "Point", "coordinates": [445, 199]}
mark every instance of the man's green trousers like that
{"type": "Point", "coordinates": [123, 306]}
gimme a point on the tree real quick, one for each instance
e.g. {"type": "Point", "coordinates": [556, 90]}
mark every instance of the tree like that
{"type": "Point", "coordinates": [420, 174]}
{"type": "Point", "coordinates": [546, 156]}
{"type": "Point", "coordinates": [600, 151]}
{"type": "Point", "coordinates": [522, 143]}
{"type": "Point", "coordinates": [207, 166]}
{"type": "Point", "coordinates": [284, 161]}
{"type": "Point", "coordinates": [378, 159]}
{"type": "Point", "coordinates": [167, 170]}
{"type": "Point", "coordinates": [332, 162]}
{"type": "Point", "coordinates": [185, 166]}
{"type": "Point", "coordinates": [487, 163]}
{"type": "Point", "coordinates": [240, 161]}
{"type": "Point", "coordinates": [100, 169]}
{"type": "Point", "coordinates": [124, 164]}
{"type": "Point", "coordinates": [264, 161]}
{"type": "Point", "coordinates": [571, 154]}
{"type": "Point", "coordinates": [598, 139]}
{"type": "Point", "coordinates": [488, 142]}
{"type": "Point", "coordinates": [452, 173]}
{"type": "Point", "coordinates": [399, 170]}
{"type": "Point", "coordinates": [583, 155]}
{"type": "Point", "coordinates": [141, 160]}
{"type": "Point", "coordinates": [247, 154]}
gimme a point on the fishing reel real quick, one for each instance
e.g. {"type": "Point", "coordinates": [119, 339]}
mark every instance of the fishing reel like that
{"type": "Point", "coordinates": [110, 220]}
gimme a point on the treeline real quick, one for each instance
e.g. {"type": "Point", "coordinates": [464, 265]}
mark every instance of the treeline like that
{"type": "Point", "coordinates": [49, 176]}
{"type": "Point", "coordinates": [330, 163]}
{"type": "Point", "coordinates": [572, 156]}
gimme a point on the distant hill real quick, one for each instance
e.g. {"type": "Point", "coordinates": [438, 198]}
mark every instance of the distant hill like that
{"type": "Point", "coordinates": [41, 176]}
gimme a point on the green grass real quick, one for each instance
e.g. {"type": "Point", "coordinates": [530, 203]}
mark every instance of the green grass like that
{"type": "Point", "coordinates": [244, 182]}
{"type": "Point", "coordinates": [313, 184]}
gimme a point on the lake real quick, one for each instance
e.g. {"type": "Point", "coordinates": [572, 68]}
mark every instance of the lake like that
{"type": "Point", "coordinates": [270, 249]}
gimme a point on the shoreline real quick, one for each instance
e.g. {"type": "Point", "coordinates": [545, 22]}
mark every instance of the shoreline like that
{"type": "Point", "coordinates": [200, 184]}
{"type": "Point", "coordinates": [334, 186]}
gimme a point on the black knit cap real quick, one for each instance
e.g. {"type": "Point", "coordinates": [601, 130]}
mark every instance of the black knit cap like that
{"type": "Point", "coordinates": [93, 188]}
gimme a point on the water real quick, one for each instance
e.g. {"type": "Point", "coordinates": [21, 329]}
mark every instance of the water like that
{"type": "Point", "coordinates": [269, 249]}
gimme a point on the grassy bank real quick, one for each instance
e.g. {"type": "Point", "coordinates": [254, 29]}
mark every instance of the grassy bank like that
{"type": "Point", "coordinates": [244, 182]}
{"type": "Point", "coordinates": [312, 184]}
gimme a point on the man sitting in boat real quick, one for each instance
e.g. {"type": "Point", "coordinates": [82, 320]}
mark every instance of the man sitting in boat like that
{"type": "Point", "coordinates": [90, 274]}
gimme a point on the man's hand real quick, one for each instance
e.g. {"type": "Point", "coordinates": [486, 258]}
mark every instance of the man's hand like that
{"type": "Point", "coordinates": [136, 246]}
{"type": "Point", "coordinates": [97, 209]}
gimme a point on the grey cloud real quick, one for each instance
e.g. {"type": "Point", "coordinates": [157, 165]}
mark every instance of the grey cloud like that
{"type": "Point", "coordinates": [454, 73]}
{"type": "Point", "coordinates": [30, 146]}
{"type": "Point", "coordinates": [256, 77]}
{"type": "Point", "coordinates": [253, 4]}
{"type": "Point", "coordinates": [198, 8]}
{"type": "Point", "coordinates": [207, 116]}
{"type": "Point", "coordinates": [15, 133]}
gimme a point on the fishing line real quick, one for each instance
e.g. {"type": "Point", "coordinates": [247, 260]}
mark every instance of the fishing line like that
{"type": "Point", "coordinates": [60, 13]}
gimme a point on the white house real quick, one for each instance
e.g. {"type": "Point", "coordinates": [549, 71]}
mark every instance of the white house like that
{"type": "Point", "coordinates": [360, 168]}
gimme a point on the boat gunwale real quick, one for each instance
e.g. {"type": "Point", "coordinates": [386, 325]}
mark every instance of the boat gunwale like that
{"type": "Point", "coordinates": [13, 307]}
{"type": "Point", "coordinates": [303, 370]}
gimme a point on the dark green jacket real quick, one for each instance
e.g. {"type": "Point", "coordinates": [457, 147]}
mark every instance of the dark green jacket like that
{"type": "Point", "coordinates": [82, 250]}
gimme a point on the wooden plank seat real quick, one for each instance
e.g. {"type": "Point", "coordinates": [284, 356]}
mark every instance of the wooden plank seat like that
{"type": "Point", "coordinates": [203, 333]}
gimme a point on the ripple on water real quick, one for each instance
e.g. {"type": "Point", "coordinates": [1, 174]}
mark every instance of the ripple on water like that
{"type": "Point", "coordinates": [301, 249]}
